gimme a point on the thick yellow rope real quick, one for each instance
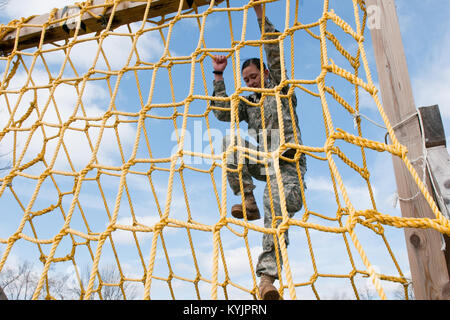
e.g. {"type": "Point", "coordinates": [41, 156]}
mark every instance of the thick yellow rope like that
{"type": "Point", "coordinates": [347, 218]}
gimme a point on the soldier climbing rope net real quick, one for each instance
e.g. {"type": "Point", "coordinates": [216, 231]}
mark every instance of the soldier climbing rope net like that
{"type": "Point", "coordinates": [97, 128]}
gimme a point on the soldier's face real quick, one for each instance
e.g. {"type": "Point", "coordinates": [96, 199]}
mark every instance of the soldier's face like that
{"type": "Point", "coordinates": [252, 76]}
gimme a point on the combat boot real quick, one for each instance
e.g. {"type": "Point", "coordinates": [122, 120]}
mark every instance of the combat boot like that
{"type": "Point", "coordinates": [266, 288]}
{"type": "Point", "coordinates": [251, 207]}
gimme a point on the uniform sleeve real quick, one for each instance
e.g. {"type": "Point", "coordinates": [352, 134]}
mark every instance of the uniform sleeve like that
{"type": "Point", "coordinates": [272, 50]}
{"type": "Point", "coordinates": [225, 115]}
{"type": "Point", "coordinates": [273, 54]}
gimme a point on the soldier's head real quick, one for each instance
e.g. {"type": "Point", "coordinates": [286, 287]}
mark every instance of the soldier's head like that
{"type": "Point", "coordinates": [251, 72]}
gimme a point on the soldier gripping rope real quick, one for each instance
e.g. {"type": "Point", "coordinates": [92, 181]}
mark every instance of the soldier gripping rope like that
{"type": "Point", "coordinates": [266, 267]}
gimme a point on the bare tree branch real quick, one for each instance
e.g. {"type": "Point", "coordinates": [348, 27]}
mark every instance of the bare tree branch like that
{"type": "Point", "coordinates": [18, 283]}
{"type": "Point", "coordinates": [115, 290]}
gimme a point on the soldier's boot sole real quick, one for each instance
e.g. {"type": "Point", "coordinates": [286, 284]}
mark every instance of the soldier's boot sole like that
{"type": "Point", "coordinates": [238, 212]}
{"type": "Point", "coordinates": [268, 291]}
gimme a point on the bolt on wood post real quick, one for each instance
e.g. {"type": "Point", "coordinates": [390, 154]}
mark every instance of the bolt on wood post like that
{"type": "Point", "coordinates": [428, 265]}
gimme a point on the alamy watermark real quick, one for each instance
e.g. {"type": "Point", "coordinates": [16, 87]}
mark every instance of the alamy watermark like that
{"type": "Point", "coordinates": [200, 144]}
{"type": "Point", "coordinates": [374, 17]}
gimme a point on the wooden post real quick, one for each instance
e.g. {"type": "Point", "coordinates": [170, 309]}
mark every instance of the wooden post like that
{"type": "Point", "coordinates": [3, 295]}
{"type": "Point", "coordinates": [428, 263]}
{"type": "Point", "coordinates": [438, 161]}
{"type": "Point", "coordinates": [437, 156]}
{"type": "Point", "coordinates": [126, 12]}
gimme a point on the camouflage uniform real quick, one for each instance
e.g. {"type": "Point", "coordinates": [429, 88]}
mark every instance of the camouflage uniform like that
{"type": "Point", "coordinates": [252, 115]}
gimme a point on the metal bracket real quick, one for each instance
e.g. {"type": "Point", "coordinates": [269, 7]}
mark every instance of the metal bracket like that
{"type": "Point", "coordinates": [103, 21]}
{"type": "Point", "coordinates": [70, 24]}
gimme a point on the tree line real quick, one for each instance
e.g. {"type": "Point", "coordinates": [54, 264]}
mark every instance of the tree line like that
{"type": "Point", "coordinates": [19, 283]}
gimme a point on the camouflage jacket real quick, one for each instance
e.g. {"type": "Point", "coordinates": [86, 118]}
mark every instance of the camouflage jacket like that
{"type": "Point", "coordinates": [252, 114]}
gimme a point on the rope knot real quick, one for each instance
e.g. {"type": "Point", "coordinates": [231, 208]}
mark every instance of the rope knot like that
{"type": "Point", "coordinates": [283, 227]}
{"type": "Point", "coordinates": [221, 223]}
{"type": "Point", "coordinates": [160, 225]}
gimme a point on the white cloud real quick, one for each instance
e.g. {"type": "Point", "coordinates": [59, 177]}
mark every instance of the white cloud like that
{"type": "Point", "coordinates": [357, 193]}
{"type": "Point", "coordinates": [95, 102]}
{"type": "Point", "coordinates": [319, 184]}
{"type": "Point", "coordinates": [116, 50]}
{"type": "Point", "coordinates": [125, 237]}
{"type": "Point", "coordinates": [25, 8]}
{"type": "Point", "coordinates": [366, 101]}
{"type": "Point", "coordinates": [237, 260]}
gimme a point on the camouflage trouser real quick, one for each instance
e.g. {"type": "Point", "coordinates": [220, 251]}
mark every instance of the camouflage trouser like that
{"type": "Point", "coordinates": [267, 260]}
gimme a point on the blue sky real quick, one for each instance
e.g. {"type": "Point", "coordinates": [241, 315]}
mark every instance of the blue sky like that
{"type": "Point", "coordinates": [426, 37]}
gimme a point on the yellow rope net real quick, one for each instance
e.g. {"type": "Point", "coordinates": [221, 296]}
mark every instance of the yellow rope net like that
{"type": "Point", "coordinates": [80, 165]}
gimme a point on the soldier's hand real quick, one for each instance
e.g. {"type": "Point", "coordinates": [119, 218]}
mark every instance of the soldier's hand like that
{"type": "Point", "coordinates": [219, 62]}
{"type": "Point", "coordinates": [257, 8]}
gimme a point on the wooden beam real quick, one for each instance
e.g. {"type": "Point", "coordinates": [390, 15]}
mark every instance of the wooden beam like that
{"type": "Point", "coordinates": [428, 263]}
{"type": "Point", "coordinates": [432, 126]}
{"type": "Point", "coordinates": [126, 12]}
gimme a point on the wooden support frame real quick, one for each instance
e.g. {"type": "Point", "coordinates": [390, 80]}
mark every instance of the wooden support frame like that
{"type": "Point", "coordinates": [126, 12]}
{"type": "Point", "coordinates": [3, 295]}
{"type": "Point", "coordinates": [438, 158]}
{"type": "Point", "coordinates": [428, 263]}
{"type": "Point", "coordinates": [438, 161]}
